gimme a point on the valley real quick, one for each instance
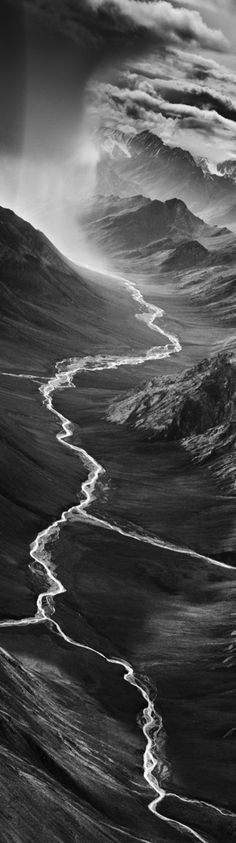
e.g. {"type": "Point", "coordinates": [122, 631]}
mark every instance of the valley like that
{"type": "Point", "coordinates": [118, 552]}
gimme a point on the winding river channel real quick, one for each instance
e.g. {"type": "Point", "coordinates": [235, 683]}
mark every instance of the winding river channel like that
{"type": "Point", "coordinates": [40, 553]}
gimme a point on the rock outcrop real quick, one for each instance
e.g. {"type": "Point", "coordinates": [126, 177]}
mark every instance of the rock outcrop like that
{"type": "Point", "coordinates": [196, 408]}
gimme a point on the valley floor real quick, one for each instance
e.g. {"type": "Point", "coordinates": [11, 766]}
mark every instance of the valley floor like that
{"type": "Point", "coordinates": [72, 739]}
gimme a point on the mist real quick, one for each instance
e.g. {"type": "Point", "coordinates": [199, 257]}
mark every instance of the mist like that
{"type": "Point", "coordinates": [47, 155]}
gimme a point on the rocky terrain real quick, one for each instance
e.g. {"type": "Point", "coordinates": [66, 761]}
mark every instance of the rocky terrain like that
{"type": "Point", "coordinates": [196, 408]}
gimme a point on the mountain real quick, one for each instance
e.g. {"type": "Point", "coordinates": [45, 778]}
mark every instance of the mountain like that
{"type": "Point", "coordinates": [187, 254]}
{"type": "Point", "coordinates": [156, 221]}
{"type": "Point", "coordinates": [196, 409]}
{"type": "Point", "coordinates": [39, 292]}
{"type": "Point", "coordinates": [144, 223]}
{"type": "Point", "coordinates": [161, 172]}
{"type": "Point", "coordinates": [166, 242]}
{"type": "Point", "coordinates": [51, 308]}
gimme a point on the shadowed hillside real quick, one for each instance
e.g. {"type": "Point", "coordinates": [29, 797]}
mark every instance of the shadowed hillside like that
{"type": "Point", "coordinates": [198, 408]}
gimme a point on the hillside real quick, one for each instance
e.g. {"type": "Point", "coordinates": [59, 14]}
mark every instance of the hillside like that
{"type": "Point", "coordinates": [51, 308]}
{"type": "Point", "coordinates": [187, 254]}
{"type": "Point", "coordinates": [196, 409]}
{"type": "Point", "coordinates": [49, 787]}
{"type": "Point", "coordinates": [39, 293]}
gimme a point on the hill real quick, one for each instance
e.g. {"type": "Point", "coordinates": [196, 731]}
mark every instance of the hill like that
{"type": "Point", "coordinates": [51, 308]}
{"type": "Point", "coordinates": [187, 254]}
{"type": "Point", "coordinates": [196, 408]}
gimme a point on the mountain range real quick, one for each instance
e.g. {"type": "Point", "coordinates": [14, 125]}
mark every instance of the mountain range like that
{"type": "Point", "coordinates": [163, 172]}
{"type": "Point", "coordinates": [165, 240]}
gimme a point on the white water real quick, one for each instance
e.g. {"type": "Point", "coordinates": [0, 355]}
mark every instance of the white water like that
{"type": "Point", "coordinates": [40, 554]}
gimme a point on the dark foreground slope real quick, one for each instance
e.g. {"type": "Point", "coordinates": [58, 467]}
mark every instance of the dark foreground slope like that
{"type": "Point", "coordinates": [50, 308]}
{"type": "Point", "coordinates": [41, 297]}
{"type": "Point", "coordinates": [70, 748]}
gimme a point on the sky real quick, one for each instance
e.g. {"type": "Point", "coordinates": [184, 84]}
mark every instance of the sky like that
{"type": "Point", "coordinates": [73, 71]}
{"type": "Point", "coordinates": [185, 93]}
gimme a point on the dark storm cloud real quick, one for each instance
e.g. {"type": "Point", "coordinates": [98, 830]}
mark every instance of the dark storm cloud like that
{"type": "Point", "coordinates": [179, 93]}
{"type": "Point", "coordinates": [199, 124]}
{"type": "Point", "coordinates": [68, 41]}
{"type": "Point", "coordinates": [50, 49]}
{"type": "Point", "coordinates": [202, 98]}
{"type": "Point", "coordinates": [149, 102]}
{"type": "Point", "coordinates": [45, 78]}
{"type": "Point", "coordinates": [63, 44]}
{"type": "Point", "coordinates": [179, 127]}
{"type": "Point", "coordinates": [208, 5]}
{"type": "Point", "coordinates": [187, 65]}
{"type": "Point", "coordinates": [12, 74]}
{"type": "Point", "coordinates": [115, 23]}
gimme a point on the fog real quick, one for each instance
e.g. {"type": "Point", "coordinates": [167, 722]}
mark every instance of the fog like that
{"type": "Point", "coordinates": [48, 159]}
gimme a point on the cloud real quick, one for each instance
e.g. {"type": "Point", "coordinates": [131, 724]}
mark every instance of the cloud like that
{"type": "Point", "coordinates": [208, 119]}
{"type": "Point", "coordinates": [70, 42]}
{"type": "Point", "coordinates": [130, 20]}
{"type": "Point", "coordinates": [179, 92]}
{"type": "Point", "coordinates": [201, 132]}
{"type": "Point", "coordinates": [194, 65]}
{"type": "Point", "coordinates": [196, 95]}
{"type": "Point", "coordinates": [169, 24]}
{"type": "Point", "coordinates": [206, 5]}
{"type": "Point", "coordinates": [186, 65]}
{"type": "Point", "coordinates": [12, 76]}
